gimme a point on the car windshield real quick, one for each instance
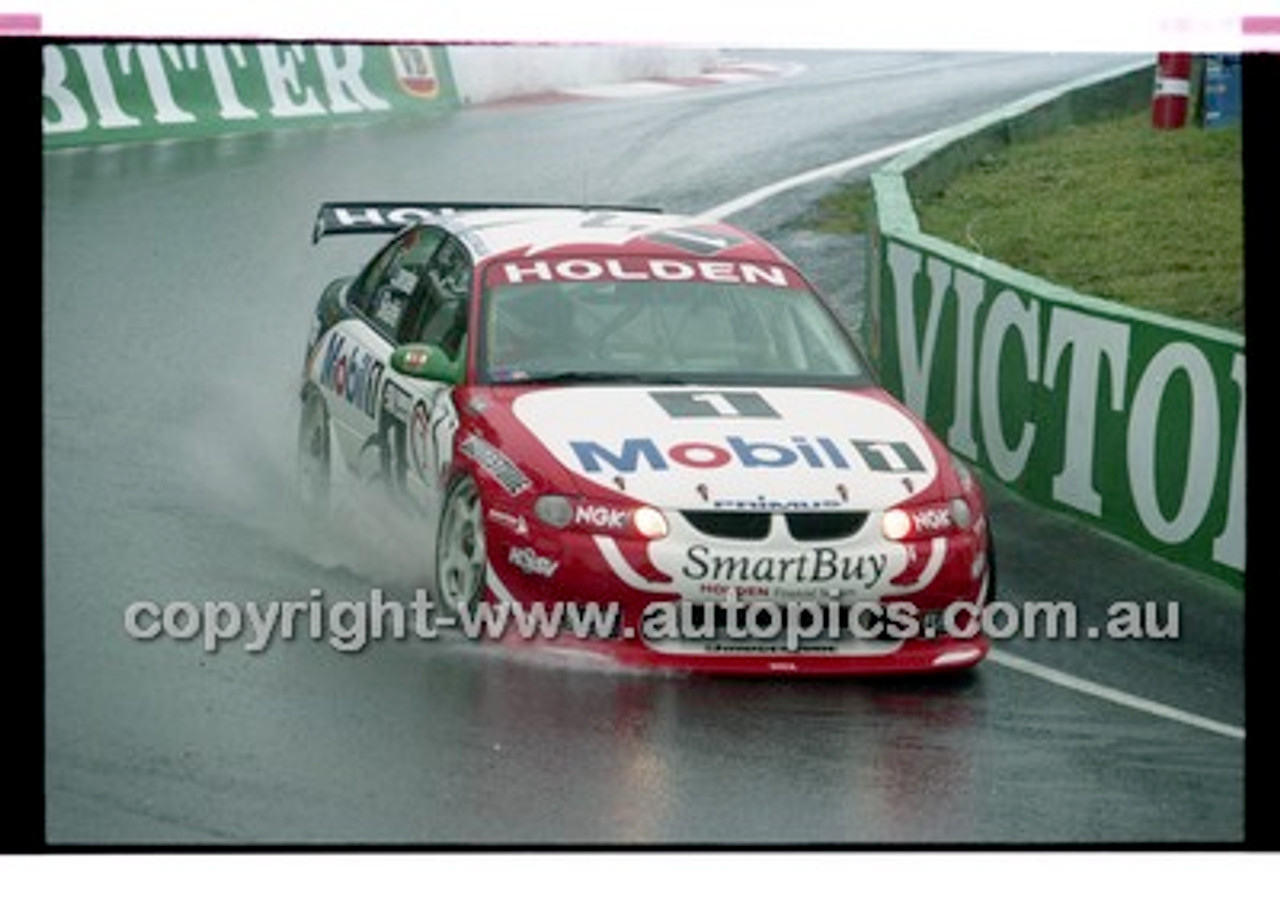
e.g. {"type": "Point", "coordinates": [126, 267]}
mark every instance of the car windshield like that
{"type": "Point", "coordinates": [642, 319]}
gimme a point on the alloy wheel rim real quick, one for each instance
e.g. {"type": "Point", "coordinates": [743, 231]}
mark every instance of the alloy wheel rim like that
{"type": "Point", "coordinates": [462, 556]}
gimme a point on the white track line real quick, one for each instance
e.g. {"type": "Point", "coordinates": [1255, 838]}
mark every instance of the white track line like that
{"type": "Point", "coordinates": [996, 656]}
{"type": "Point", "coordinates": [832, 170]}
{"type": "Point", "coordinates": [1110, 694]}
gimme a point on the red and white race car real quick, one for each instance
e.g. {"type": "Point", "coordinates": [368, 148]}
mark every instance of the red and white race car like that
{"type": "Point", "coordinates": [620, 406]}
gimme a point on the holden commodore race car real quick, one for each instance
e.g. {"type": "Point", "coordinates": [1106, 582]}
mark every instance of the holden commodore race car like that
{"type": "Point", "coordinates": [615, 405]}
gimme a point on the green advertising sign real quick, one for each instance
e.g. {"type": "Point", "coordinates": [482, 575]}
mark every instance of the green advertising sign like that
{"type": "Point", "coordinates": [1134, 421]}
{"type": "Point", "coordinates": [107, 93]}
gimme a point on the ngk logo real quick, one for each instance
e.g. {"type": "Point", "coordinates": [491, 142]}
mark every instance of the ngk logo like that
{"type": "Point", "coordinates": [601, 517]}
{"type": "Point", "coordinates": [934, 519]}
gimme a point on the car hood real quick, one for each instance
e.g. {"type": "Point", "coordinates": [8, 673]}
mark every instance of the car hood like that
{"type": "Point", "coordinates": [734, 449]}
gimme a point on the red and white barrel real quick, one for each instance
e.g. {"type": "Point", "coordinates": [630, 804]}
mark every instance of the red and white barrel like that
{"type": "Point", "coordinates": [1173, 90]}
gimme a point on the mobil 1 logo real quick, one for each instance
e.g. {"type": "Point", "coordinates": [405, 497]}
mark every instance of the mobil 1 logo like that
{"type": "Point", "coordinates": [713, 404]}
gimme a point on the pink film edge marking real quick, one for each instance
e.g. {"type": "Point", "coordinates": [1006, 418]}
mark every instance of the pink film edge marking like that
{"type": "Point", "coordinates": [19, 23]}
{"type": "Point", "coordinates": [1260, 24]}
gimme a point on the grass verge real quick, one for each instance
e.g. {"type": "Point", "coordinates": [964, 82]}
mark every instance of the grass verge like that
{"type": "Point", "coordinates": [1114, 209]}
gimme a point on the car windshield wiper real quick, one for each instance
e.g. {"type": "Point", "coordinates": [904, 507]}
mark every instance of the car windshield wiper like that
{"type": "Point", "coordinates": [599, 377]}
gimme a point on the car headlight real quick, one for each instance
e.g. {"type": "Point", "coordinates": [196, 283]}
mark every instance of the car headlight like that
{"type": "Point", "coordinates": [896, 524]}
{"type": "Point", "coordinates": [650, 522]}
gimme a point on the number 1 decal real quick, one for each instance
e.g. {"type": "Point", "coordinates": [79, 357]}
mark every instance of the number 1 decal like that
{"type": "Point", "coordinates": [714, 404]}
{"type": "Point", "coordinates": [888, 455]}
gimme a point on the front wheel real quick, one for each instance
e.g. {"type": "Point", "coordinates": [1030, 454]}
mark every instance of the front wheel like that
{"type": "Point", "coordinates": [460, 547]}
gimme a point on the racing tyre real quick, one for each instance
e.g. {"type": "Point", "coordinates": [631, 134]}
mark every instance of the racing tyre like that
{"type": "Point", "coordinates": [314, 453]}
{"type": "Point", "coordinates": [460, 549]}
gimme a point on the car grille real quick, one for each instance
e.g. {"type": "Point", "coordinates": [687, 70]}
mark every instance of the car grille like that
{"type": "Point", "coordinates": [803, 526]}
{"type": "Point", "coordinates": [731, 525]}
{"type": "Point", "coordinates": [825, 525]}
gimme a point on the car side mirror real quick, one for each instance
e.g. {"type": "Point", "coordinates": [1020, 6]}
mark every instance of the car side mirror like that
{"type": "Point", "coordinates": [428, 362]}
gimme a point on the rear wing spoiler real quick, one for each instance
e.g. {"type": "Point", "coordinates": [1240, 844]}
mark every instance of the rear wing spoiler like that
{"type": "Point", "coordinates": [391, 218]}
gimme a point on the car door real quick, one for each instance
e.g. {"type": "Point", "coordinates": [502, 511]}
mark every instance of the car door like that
{"type": "Point", "coordinates": [354, 363]}
{"type": "Point", "coordinates": [417, 416]}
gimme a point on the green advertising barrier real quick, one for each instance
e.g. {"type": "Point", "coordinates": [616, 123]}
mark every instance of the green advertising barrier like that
{"type": "Point", "coordinates": [114, 92]}
{"type": "Point", "coordinates": [1131, 420]}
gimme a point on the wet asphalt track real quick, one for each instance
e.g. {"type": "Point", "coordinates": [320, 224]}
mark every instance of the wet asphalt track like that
{"type": "Point", "coordinates": [178, 282]}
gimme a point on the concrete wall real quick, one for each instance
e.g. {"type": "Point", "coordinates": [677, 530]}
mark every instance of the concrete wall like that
{"type": "Point", "coordinates": [99, 93]}
{"type": "Point", "coordinates": [485, 73]}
